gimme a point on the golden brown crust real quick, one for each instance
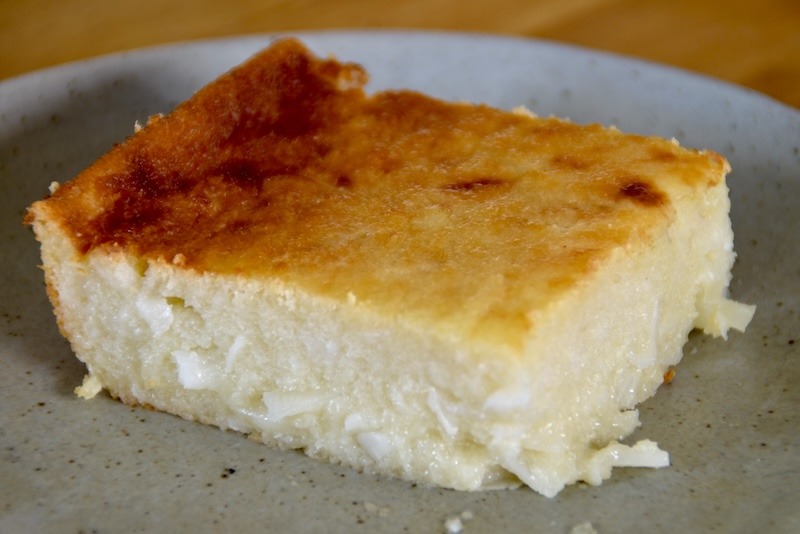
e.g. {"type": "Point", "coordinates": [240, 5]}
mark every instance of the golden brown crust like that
{"type": "Point", "coordinates": [284, 167]}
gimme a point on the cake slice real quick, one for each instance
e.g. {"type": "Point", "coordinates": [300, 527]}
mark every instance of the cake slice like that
{"type": "Point", "coordinates": [445, 293]}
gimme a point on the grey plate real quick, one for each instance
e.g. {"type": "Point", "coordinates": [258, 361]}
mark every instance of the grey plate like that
{"type": "Point", "coordinates": [730, 419]}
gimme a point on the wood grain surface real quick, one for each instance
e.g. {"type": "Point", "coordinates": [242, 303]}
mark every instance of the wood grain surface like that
{"type": "Point", "coordinates": [752, 43]}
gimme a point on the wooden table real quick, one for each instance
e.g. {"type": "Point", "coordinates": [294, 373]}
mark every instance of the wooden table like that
{"type": "Point", "coordinates": [752, 43]}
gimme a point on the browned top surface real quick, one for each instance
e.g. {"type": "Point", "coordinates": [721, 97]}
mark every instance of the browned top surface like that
{"type": "Point", "coordinates": [460, 214]}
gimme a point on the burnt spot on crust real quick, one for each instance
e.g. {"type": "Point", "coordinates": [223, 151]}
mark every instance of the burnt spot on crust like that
{"type": "Point", "coordinates": [147, 180]}
{"type": "Point", "coordinates": [138, 200]}
{"type": "Point", "coordinates": [479, 183]}
{"type": "Point", "coordinates": [570, 162]}
{"type": "Point", "coordinates": [241, 172]}
{"type": "Point", "coordinates": [294, 89]}
{"type": "Point", "coordinates": [344, 181]}
{"type": "Point", "coordinates": [642, 192]}
{"type": "Point", "coordinates": [662, 154]}
{"type": "Point", "coordinates": [253, 175]}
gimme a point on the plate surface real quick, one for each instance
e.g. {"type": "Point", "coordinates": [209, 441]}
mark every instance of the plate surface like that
{"type": "Point", "coordinates": [729, 420]}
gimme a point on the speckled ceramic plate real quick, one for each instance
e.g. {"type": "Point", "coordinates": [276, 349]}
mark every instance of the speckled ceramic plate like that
{"type": "Point", "coordinates": [729, 420]}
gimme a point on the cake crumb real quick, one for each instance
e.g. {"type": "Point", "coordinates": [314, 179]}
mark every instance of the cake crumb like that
{"type": "Point", "coordinates": [375, 509]}
{"type": "Point", "coordinates": [583, 528]}
{"type": "Point", "coordinates": [453, 525]}
{"type": "Point", "coordinates": [669, 376]}
{"type": "Point", "coordinates": [90, 387]}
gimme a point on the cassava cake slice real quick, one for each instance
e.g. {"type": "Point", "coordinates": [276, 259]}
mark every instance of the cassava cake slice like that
{"type": "Point", "coordinates": [446, 293]}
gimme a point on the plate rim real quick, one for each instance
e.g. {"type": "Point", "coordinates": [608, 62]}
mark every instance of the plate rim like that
{"type": "Point", "coordinates": [9, 85]}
